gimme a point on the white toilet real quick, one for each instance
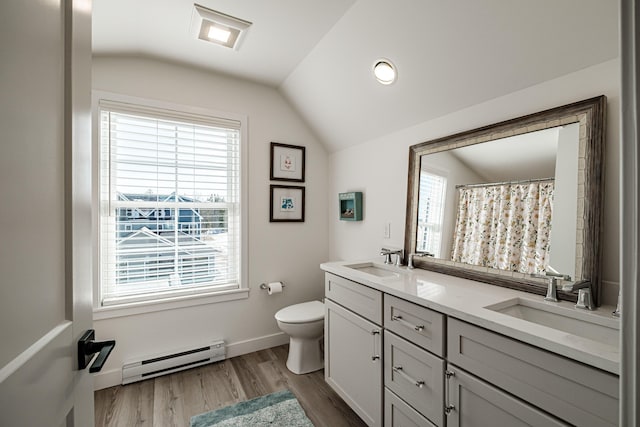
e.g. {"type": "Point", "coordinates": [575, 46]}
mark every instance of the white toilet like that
{"type": "Point", "coordinates": [304, 323]}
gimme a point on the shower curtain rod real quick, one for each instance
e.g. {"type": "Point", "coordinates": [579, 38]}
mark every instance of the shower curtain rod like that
{"type": "Point", "coordinates": [494, 184]}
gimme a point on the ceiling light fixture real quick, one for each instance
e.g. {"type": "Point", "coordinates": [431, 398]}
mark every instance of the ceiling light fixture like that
{"type": "Point", "coordinates": [384, 71]}
{"type": "Point", "coordinates": [216, 27]}
{"type": "Point", "coordinates": [219, 34]}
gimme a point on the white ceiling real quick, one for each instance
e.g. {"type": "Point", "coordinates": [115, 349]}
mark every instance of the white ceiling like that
{"type": "Point", "coordinates": [527, 156]}
{"type": "Point", "coordinates": [282, 33]}
{"type": "Point", "coordinates": [449, 54]}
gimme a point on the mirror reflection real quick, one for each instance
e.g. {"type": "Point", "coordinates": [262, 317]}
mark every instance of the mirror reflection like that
{"type": "Point", "coordinates": [513, 202]}
{"type": "Point", "coordinates": [507, 204]}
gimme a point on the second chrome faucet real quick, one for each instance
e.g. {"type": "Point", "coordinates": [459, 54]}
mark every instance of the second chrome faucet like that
{"type": "Point", "coordinates": [387, 255]}
{"type": "Point", "coordinates": [585, 299]}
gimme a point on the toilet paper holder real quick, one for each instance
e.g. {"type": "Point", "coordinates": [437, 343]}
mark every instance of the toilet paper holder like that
{"type": "Point", "coordinates": [264, 285]}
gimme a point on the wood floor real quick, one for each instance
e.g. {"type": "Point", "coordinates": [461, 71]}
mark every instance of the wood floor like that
{"type": "Point", "coordinates": [172, 400]}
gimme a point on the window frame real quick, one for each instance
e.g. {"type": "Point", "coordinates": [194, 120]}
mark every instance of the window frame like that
{"type": "Point", "coordinates": [190, 297]}
{"type": "Point", "coordinates": [445, 177]}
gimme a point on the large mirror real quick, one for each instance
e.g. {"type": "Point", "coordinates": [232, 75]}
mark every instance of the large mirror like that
{"type": "Point", "coordinates": [512, 203]}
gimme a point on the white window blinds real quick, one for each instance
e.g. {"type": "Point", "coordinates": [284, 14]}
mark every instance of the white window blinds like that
{"type": "Point", "coordinates": [431, 213]}
{"type": "Point", "coordinates": [170, 203]}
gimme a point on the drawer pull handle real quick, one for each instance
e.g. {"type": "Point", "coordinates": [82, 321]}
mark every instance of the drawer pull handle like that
{"type": "Point", "coordinates": [448, 407]}
{"type": "Point", "coordinates": [417, 383]}
{"type": "Point", "coordinates": [376, 355]}
{"type": "Point", "coordinates": [418, 328]}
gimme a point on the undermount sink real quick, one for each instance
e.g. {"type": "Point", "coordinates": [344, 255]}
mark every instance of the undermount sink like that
{"type": "Point", "coordinates": [567, 319]}
{"type": "Point", "coordinates": [374, 269]}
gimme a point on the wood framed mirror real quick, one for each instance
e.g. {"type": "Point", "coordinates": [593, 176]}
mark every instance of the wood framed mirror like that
{"type": "Point", "coordinates": [552, 159]}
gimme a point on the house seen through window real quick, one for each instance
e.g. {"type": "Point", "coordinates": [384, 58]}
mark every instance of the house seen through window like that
{"type": "Point", "coordinates": [170, 211]}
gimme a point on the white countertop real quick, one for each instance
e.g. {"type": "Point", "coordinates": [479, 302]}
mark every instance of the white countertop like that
{"type": "Point", "coordinates": [466, 300]}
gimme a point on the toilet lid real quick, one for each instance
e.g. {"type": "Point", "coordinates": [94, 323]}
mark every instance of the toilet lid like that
{"type": "Point", "coordinates": [301, 313]}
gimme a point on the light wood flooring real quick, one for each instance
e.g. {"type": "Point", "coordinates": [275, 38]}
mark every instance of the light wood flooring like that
{"type": "Point", "coordinates": [171, 400]}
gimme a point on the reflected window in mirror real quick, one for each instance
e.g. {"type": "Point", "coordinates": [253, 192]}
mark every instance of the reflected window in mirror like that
{"type": "Point", "coordinates": [431, 205]}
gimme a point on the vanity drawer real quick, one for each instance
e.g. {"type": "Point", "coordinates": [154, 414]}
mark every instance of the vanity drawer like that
{"type": "Point", "coordinates": [365, 301]}
{"type": "Point", "coordinates": [419, 325]}
{"type": "Point", "coordinates": [415, 375]}
{"type": "Point", "coordinates": [574, 392]}
{"type": "Point", "coordinates": [397, 413]}
{"type": "Point", "coordinates": [475, 403]}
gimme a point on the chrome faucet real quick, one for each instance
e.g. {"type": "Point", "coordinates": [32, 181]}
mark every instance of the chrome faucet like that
{"type": "Point", "coordinates": [585, 298]}
{"type": "Point", "coordinates": [410, 265]}
{"type": "Point", "coordinates": [552, 284]}
{"type": "Point", "coordinates": [387, 255]}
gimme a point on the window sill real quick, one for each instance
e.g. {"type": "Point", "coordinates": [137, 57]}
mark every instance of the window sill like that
{"type": "Point", "coordinates": [132, 309]}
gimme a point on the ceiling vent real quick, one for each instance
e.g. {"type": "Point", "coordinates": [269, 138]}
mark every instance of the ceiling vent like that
{"type": "Point", "coordinates": [218, 28]}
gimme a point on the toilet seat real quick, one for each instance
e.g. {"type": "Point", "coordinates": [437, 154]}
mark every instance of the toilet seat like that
{"type": "Point", "coordinates": [301, 313]}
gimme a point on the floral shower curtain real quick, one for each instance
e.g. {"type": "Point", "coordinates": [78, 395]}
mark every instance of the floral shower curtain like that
{"type": "Point", "coordinates": [504, 226]}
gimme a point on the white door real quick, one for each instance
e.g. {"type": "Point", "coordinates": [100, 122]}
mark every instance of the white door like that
{"type": "Point", "coordinates": [45, 219]}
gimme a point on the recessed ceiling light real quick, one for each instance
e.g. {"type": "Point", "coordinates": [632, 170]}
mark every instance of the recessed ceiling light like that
{"type": "Point", "coordinates": [219, 34]}
{"type": "Point", "coordinates": [216, 27]}
{"type": "Point", "coordinates": [384, 71]}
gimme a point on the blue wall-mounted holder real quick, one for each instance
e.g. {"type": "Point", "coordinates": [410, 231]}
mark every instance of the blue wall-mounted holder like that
{"type": "Point", "coordinates": [350, 206]}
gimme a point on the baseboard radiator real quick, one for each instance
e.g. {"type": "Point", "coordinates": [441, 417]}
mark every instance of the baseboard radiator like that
{"type": "Point", "coordinates": [177, 361]}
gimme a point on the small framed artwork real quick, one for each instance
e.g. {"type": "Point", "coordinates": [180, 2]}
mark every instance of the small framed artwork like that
{"type": "Point", "coordinates": [287, 204]}
{"type": "Point", "coordinates": [287, 162]}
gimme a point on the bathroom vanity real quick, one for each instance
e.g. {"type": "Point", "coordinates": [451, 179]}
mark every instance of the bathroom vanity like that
{"type": "Point", "coordinates": [420, 348]}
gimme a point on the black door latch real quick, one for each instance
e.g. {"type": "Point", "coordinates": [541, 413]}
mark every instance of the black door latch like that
{"type": "Point", "coordinates": [87, 347]}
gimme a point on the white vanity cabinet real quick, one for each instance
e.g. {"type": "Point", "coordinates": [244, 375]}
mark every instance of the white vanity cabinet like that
{"type": "Point", "coordinates": [353, 346]}
{"type": "Point", "coordinates": [432, 369]}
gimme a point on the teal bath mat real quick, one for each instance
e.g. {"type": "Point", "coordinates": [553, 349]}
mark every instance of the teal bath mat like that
{"type": "Point", "coordinates": [276, 409]}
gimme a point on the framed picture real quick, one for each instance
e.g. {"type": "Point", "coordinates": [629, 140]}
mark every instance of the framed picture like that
{"type": "Point", "coordinates": [287, 162]}
{"type": "Point", "coordinates": [287, 204]}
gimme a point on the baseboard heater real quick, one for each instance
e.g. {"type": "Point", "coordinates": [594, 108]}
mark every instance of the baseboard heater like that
{"type": "Point", "coordinates": [177, 361]}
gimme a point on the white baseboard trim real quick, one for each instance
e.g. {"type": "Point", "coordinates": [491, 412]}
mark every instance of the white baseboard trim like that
{"type": "Point", "coordinates": [113, 377]}
{"type": "Point", "coordinates": [255, 344]}
{"type": "Point", "coordinates": [106, 379]}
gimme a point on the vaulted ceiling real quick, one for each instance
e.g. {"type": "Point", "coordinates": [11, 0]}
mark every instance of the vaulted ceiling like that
{"type": "Point", "coordinates": [319, 54]}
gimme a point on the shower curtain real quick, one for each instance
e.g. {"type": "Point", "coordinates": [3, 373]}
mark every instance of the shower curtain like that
{"type": "Point", "coordinates": [504, 226]}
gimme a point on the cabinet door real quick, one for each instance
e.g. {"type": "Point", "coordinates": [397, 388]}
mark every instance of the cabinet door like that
{"type": "Point", "coordinates": [353, 365]}
{"type": "Point", "coordinates": [474, 403]}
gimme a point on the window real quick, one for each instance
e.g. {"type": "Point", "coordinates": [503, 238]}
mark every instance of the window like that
{"type": "Point", "coordinates": [170, 222]}
{"type": "Point", "coordinates": [431, 213]}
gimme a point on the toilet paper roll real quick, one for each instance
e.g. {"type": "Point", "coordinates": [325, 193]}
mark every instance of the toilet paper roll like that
{"type": "Point", "coordinates": [274, 288]}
